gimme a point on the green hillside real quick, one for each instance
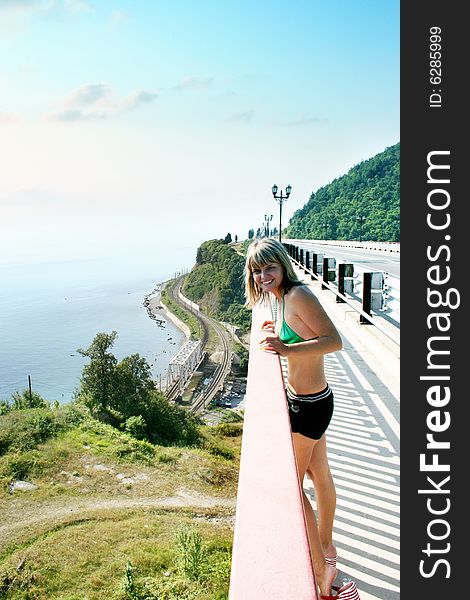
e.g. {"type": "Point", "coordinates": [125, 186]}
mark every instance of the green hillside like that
{"type": "Point", "coordinates": [371, 189]}
{"type": "Point", "coordinates": [216, 283]}
{"type": "Point", "coordinates": [91, 512]}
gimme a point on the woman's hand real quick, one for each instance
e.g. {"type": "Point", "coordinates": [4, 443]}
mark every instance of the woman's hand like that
{"type": "Point", "coordinates": [268, 326]}
{"type": "Point", "coordinates": [273, 344]}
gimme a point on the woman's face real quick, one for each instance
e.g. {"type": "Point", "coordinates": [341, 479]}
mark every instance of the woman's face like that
{"type": "Point", "coordinates": [269, 277]}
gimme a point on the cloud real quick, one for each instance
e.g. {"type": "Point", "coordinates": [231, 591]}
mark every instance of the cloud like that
{"type": "Point", "coordinates": [242, 117]}
{"type": "Point", "coordinates": [77, 6]}
{"type": "Point", "coordinates": [137, 98]}
{"type": "Point", "coordinates": [20, 4]}
{"type": "Point", "coordinates": [119, 16]}
{"type": "Point", "coordinates": [75, 114]}
{"type": "Point", "coordinates": [89, 94]}
{"type": "Point", "coordinates": [302, 121]}
{"type": "Point", "coordinates": [37, 6]}
{"type": "Point", "coordinates": [193, 83]}
{"type": "Point", "coordinates": [17, 16]}
{"type": "Point", "coordinates": [98, 101]}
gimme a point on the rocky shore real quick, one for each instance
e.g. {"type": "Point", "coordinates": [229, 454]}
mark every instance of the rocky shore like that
{"type": "Point", "coordinates": [156, 310]}
{"type": "Point", "coordinates": [153, 306]}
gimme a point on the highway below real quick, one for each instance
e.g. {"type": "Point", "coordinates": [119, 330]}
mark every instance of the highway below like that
{"type": "Point", "coordinates": [371, 260]}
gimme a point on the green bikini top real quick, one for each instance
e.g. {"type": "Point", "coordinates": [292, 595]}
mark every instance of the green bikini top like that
{"type": "Point", "coordinates": [288, 335]}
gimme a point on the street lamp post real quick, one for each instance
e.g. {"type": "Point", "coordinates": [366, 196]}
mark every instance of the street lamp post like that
{"type": "Point", "coordinates": [267, 220]}
{"type": "Point", "coordinates": [361, 219]}
{"type": "Point", "coordinates": [280, 199]}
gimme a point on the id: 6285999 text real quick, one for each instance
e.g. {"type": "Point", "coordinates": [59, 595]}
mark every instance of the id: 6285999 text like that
{"type": "Point", "coordinates": [435, 66]}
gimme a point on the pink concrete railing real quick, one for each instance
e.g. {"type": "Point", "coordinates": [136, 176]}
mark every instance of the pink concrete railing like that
{"type": "Point", "coordinates": [271, 556]}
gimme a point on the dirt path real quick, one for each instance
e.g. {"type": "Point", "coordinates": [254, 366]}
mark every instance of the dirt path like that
{"type": "Point", "coordinates": [21, 519]}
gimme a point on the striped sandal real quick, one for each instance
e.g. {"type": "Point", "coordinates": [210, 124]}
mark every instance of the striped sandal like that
{"type": "Point", "coordinates": [347, 592]}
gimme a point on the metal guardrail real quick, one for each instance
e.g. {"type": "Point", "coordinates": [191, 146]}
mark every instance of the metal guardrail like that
{"type": "Point", "coordinates": [364, 291]}
{"type": "Point", "coordinates": [392, 297]}
{"type": "Point", "coordinates": [385, 288]}
{"type": "Point", "coordinates": [366, 245]}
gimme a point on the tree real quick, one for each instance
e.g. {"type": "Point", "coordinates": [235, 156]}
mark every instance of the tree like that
{"type": "Point", "coordinates": [371, 188]}
{"type": "Point", "coordinates": [251, 234]}
{"type": "Point", "coordinates": [217, 283]}
{"type": "Point", "coordinates": [98, 378]}
{"type": "Point", "coordinates": [133, 384]}
{"type": "Point", "coordinates": [124, 394]}
{"type": "Point", "coordinates": [108, 385]}
{"type": "Point", "coordinates": [228, 238]}
{"type": "Point", "coordinates": [167, 423]}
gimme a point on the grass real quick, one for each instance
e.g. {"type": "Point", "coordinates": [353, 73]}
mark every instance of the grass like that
{"type": "Point", "coordinates": [92, 528]}
{"type": "Point", "coordinates": [121, 555]}
{"type": "Point", "coordinates": [81, 447]}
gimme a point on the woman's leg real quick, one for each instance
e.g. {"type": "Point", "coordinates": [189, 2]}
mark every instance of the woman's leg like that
{"type": "Point", "coordinates": [325, 494]}
{"type": "Point", "coordinates": [324, 573]}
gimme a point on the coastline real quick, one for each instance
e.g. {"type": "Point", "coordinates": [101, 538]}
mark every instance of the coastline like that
{"type": "Point", "coordinates": [67, 315]}
{"type": "Point", "coordinates": [156, 309]}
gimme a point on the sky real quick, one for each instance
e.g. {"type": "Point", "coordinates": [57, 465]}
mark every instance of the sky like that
{"type": "Point", "coordinates": [143, 128]}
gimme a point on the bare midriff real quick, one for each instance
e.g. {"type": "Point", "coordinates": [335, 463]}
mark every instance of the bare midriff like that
{"type": "Point", "coordinates": [306, 374]}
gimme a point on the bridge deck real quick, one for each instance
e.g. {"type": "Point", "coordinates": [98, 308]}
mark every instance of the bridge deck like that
{"type": "Point", "coordinates": [364, 453]}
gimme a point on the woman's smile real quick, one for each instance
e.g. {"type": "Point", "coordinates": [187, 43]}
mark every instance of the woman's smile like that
{"type": "Point", "coordinates": [267, 282]}
{"type": "Point", "coordinates": [269, 277]}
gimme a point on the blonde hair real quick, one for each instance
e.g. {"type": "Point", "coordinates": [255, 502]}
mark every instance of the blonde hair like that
{"type": "Point", "coordinates": [261, 253]}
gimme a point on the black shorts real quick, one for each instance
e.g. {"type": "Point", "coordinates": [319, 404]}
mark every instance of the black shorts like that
{"type": "Point", "coordinates": [310, 414]}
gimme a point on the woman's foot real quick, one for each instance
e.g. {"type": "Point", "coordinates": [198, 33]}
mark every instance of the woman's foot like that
{"type": "Point", "coordinates": [325, 577]}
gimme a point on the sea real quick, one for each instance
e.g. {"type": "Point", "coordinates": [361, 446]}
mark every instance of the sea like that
{"type": "Point", "coordinates": [49, 310]}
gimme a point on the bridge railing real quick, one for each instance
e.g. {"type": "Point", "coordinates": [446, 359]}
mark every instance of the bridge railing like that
{"type": "Point", "coordinates": [365, 245]}
{"type": "Point", "coordinates": [271, 556]}
{"type": "Point", "coordinates": [370, 294]}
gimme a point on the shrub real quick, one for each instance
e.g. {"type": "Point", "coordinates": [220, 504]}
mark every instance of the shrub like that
{"type": "Point", "coordinates": [216, 448]}
{"type": "Point", "coordinates": [132, 449]}
{"type": "Point", "coordinates": [71, 414]}
{"type": "Point", "coordinates": [26, 400]}
{"type": "Point", "coordinates": [25, 429]}
{"type": "Point", "coordinates": [166, 457]}
{"type": "Point", "coordinates": [229, 429]}
{"type": "Point", "coordinates": [191, 552]}
{"type": "Point", "coordinates": [17, 465]}
{"type": "Point", "coordinates": [136, 427]}
{"type": "Point", "coordinates": [232, 416]}
{"type": "Point", "coordinates": [168, 424]}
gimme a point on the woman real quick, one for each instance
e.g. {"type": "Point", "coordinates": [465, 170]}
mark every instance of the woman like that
{"type": "Point", "coordinates": [303, 333]}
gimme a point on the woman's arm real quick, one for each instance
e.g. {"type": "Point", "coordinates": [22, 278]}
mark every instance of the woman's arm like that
{"type": "Point", "coordinates": [307, 308]}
